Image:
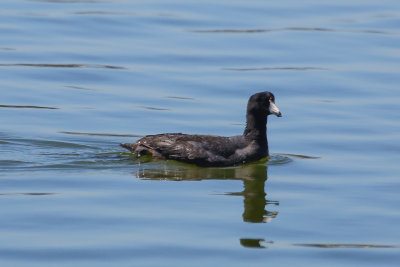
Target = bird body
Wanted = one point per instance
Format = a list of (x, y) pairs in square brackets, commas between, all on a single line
[(212, 150), (202, 150)]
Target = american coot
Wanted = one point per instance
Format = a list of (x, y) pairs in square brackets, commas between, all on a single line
[(212, 150)]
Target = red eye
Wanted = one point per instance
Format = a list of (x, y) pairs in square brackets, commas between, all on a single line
[(271, 98)]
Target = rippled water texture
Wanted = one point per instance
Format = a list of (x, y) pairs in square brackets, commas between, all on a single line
[(79, 77)]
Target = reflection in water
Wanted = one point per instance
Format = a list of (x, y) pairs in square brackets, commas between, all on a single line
[(255, 201), (254, 243), (253, 176)]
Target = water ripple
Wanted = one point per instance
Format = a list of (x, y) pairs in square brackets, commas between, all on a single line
[(27, 194), (300, 156), (101, 134), (345, 245), (79, 88), (181, 98), (26, 106), (48, 65), (310, 29), (68, 1), (277, 68), (102, 13), (153, 108), (278, 159)]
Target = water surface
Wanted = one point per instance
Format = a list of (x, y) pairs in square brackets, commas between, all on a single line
[(79, 77)]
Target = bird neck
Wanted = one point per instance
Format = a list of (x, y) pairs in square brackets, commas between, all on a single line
[(256, 129)]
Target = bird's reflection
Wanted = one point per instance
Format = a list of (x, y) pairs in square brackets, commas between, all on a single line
[(254, 243), (253, 176)]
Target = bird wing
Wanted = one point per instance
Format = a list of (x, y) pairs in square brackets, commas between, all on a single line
[(198, 149)]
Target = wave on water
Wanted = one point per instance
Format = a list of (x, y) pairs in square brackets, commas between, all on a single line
[(47, 65), (293, 68), (345, 245), (26, 106), (21, 154), (101, 134), (307, 29)]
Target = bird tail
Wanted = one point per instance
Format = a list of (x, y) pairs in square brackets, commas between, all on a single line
[(131, 147)]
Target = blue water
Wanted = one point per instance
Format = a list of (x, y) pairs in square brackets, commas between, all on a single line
[(79, 77)]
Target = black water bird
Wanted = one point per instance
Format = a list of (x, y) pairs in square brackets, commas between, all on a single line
[(212, 150)]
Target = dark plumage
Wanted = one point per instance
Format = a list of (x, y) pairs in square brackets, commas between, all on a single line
[(212, 150)]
